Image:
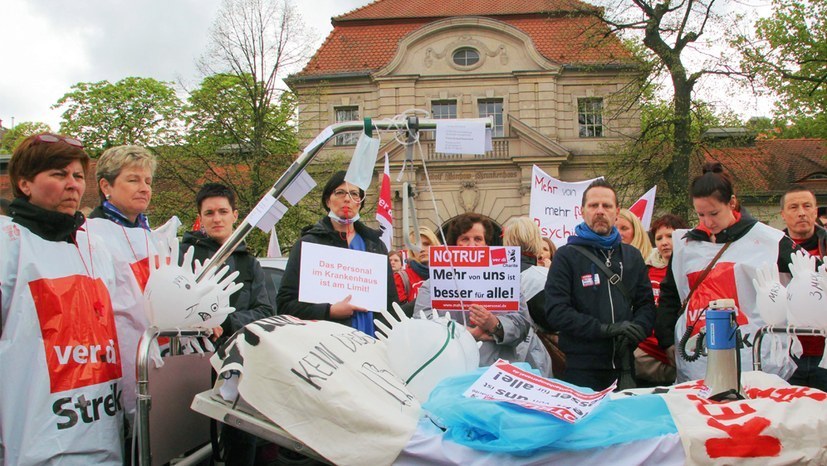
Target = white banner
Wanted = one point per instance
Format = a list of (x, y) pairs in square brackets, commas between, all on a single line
[(506, 382), (329, 274), (555, 205), (328, 385), (488, 276), (776, 424)]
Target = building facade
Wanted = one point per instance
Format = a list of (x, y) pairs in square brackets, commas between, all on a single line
[(546, 71)]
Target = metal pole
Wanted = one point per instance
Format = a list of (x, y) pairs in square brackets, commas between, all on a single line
[(144, 402), (759, 338), (301, 162)]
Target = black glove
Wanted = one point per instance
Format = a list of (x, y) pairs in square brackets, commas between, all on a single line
[(633, 332)]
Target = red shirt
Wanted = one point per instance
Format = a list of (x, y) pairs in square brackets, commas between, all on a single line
[(650, 344)]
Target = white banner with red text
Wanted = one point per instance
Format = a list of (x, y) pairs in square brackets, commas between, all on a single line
[(488, 276)]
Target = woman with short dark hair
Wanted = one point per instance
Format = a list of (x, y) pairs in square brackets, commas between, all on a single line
[(341, 228), (59, 354)]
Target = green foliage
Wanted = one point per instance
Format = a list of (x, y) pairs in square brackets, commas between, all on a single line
[(788, 55), (21, 131), (230, 144), (802, 126), (134, 110), (641, 164)]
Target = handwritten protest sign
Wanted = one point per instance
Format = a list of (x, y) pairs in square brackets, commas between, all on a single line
[(329, 274), (488, 276), (555, 205), (505, 382)]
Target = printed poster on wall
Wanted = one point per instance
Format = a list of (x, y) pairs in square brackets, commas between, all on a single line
[(488, 276), (555, 205)]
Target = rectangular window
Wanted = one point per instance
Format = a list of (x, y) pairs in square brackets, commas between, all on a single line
[(347, 114), (590, 117), (493, 107), (441, 109)]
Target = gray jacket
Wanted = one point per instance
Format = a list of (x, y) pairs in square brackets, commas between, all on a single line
[(519, 342)]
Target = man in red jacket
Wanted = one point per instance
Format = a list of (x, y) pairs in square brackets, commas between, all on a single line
[(799, 210)]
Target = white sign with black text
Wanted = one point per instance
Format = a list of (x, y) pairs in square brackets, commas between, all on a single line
[(329, 274)]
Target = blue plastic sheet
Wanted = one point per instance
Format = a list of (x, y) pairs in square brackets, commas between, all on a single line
[(508, 428)]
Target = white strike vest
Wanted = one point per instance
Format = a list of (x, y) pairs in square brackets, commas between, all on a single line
[(60, 371), (731, 277)]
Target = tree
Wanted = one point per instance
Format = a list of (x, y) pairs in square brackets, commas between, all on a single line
[(667, 30), (217, 147), (643, 163), (134, 110), (788, 54), (21, 131), (242, 123), (258, 42)]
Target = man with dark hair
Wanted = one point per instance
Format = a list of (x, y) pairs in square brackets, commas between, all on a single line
[(598, 297), (799, 209), (217, 213)]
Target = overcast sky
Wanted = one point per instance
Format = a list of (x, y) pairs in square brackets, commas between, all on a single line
[(49, 45)]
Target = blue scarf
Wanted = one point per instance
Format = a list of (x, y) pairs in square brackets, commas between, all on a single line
[(362, 321), (587, 237), (112, 213)]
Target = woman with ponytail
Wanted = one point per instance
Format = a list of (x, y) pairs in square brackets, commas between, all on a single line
[(717, 260)]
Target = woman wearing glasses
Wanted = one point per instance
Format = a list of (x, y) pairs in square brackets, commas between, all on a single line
[(340, 228), (60, 394)]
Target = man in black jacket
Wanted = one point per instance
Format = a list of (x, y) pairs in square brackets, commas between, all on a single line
[(217, 214), (799, 210), (601, 317)]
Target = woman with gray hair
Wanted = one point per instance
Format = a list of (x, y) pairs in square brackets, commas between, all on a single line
[(124, 175)]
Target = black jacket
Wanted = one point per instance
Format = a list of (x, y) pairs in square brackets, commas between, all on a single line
[(669, 303), (323, 233), (576, 307), (251, 302), (816, 242)]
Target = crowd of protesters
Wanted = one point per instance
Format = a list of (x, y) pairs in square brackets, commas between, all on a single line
[(608, 303)]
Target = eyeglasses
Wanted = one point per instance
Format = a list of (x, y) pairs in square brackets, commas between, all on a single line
[(354, 195), (51, 139)]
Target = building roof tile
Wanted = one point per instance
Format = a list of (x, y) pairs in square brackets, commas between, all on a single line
[(385, 9), (369, 46), (772, 165)]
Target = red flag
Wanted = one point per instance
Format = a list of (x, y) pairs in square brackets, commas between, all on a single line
[(644, 207), (384, 214)]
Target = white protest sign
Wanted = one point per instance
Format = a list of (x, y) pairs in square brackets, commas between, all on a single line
[(555, 205), (461, 136), (505, 382), (488, 276), (329, 274)]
